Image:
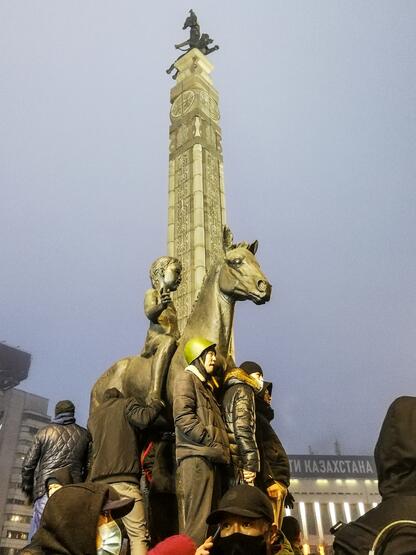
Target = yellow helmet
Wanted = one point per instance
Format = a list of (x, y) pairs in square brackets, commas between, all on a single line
[(195, 347)]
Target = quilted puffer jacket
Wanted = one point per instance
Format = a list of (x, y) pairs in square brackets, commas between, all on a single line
[(62, 443), (239, 410)]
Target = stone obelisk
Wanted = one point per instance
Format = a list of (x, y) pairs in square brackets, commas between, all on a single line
[(196, 185)]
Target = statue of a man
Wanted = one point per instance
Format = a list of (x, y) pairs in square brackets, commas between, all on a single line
[(163, 333)]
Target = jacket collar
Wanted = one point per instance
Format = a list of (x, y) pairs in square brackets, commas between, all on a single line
[(236, 375), (194, 370)]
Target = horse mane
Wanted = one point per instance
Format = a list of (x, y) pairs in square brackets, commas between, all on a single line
[(214, 268)]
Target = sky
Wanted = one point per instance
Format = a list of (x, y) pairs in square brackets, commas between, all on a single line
[(317, 104)]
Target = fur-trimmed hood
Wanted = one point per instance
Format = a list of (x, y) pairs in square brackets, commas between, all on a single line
[(237, 375)]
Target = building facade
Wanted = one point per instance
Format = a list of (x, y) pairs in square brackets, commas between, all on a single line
[(328, 489), (21, 416)]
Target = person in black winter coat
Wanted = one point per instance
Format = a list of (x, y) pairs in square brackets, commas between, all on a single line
[(274, 464), (114, 427), (239, 411), (61, 443), (395, 457)]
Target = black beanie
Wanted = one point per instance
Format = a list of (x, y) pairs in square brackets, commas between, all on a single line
[(64, 406), (250, 367), (291, 528)]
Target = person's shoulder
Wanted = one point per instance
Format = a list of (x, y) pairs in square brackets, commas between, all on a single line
[(81, 429), (353, 537), (244, 390), (46, 430), (184, 379)]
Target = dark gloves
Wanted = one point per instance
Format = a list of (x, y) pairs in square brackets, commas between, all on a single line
[(28, 491), (289, 501)]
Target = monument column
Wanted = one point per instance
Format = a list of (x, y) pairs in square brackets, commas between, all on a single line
[(196, 185)]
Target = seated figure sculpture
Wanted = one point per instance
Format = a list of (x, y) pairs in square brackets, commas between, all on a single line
[(163, 333)]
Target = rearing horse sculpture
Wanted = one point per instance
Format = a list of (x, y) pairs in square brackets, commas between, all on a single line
[(236, 277)]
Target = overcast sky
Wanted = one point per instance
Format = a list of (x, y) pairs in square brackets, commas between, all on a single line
[(317, 105)]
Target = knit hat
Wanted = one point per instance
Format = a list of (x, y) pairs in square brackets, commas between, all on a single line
[(175, 545), (251, 367), (64, 406), (243, 500), (290, 528)]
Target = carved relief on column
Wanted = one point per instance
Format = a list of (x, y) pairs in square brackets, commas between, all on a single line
[(213, 213), (183, 212)]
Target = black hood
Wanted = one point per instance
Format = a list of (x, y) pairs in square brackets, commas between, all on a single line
[(69, 520), (395, 451)]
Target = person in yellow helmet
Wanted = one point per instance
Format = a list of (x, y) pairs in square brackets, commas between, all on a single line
[(202, 447)]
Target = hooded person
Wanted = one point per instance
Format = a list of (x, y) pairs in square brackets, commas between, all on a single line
[(291, 529), (117, 426), (244, 521), (202, 448), (395, 457), (239, 412), (274, 475), (78, 519)]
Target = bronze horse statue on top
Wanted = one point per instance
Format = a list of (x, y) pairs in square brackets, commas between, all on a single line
[(235, 277)]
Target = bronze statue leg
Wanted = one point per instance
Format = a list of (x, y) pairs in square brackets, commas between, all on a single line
[(160, 364)]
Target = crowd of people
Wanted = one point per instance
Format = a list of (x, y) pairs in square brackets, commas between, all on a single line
[(224, 440), (90, 487)]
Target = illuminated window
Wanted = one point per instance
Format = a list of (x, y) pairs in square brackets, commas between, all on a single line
[(361, 508), (16, 535), (18, 518)]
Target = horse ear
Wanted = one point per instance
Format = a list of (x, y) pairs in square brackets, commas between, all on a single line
[(227, 238), (253, 247)]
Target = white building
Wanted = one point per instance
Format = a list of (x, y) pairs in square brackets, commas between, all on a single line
[(328, 489)]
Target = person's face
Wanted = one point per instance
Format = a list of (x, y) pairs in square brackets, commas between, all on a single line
[(208, 361), (259, 379), (172, 276), (267, 397), (233, 524)]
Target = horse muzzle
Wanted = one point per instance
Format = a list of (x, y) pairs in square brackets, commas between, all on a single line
[(263, 293)]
